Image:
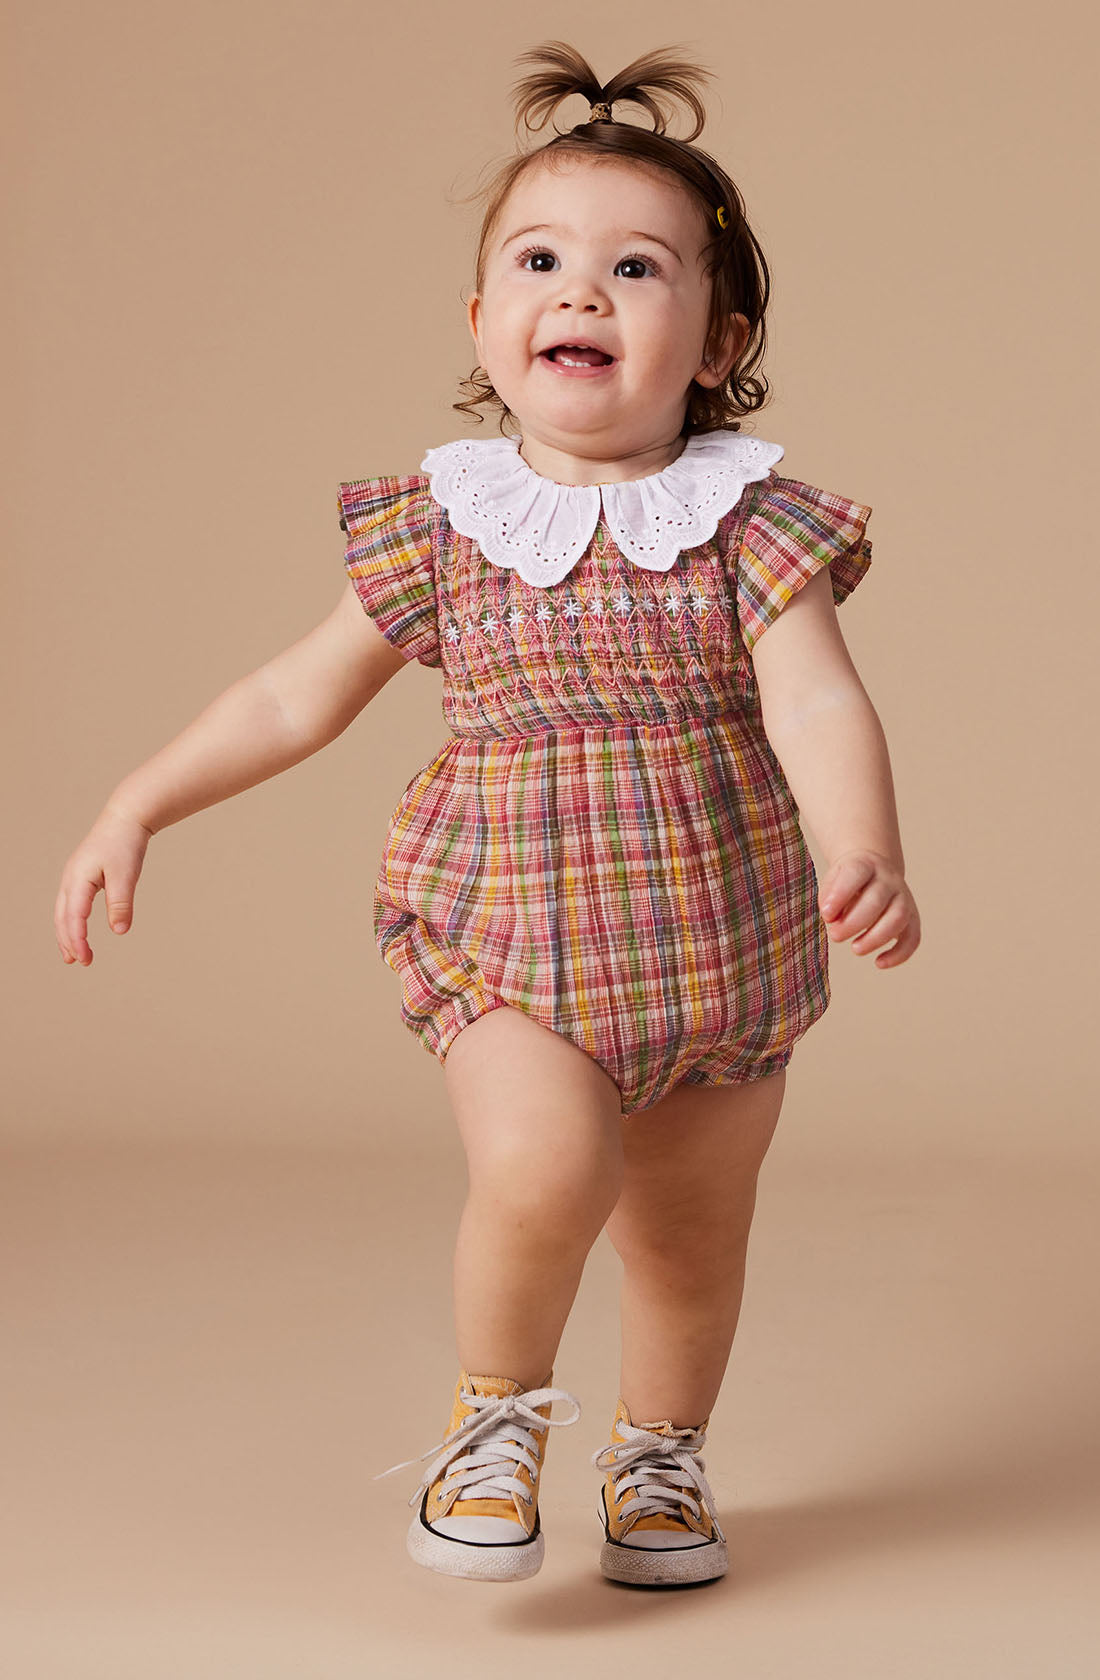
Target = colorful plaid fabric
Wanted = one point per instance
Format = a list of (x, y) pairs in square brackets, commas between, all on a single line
[(606, 839), (389, 560), (790, 526)]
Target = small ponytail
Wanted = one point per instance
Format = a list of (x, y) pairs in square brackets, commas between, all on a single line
[(653, 74)]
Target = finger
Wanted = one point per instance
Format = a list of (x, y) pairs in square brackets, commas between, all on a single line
[(836, 904), (120, 909), (886, 927), (81, 900), (839, 891), (63, 928), (59, 912), (838, 910), (908, 940), (890, 925), (862, 913)]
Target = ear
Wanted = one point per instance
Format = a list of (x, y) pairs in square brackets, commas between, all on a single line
[(473, 317), (734, 339)]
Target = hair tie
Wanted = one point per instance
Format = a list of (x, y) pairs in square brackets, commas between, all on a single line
[(723, 216), (600, 113)]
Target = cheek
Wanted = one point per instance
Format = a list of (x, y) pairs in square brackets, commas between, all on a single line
[(506, 353), (667, 346), (508, 332)]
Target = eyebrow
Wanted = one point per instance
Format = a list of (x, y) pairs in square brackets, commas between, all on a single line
[(635, 233)]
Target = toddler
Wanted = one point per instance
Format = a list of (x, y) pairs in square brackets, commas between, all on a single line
[(597, 894)]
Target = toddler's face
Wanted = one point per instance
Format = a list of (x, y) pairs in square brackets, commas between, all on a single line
[(618, 262)]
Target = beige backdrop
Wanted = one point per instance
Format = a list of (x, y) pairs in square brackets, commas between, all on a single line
[(237, 275)]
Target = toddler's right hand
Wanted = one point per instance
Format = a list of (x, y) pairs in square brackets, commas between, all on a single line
[(110, 856)]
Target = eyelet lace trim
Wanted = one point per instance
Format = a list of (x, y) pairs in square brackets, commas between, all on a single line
[(499, 1436), (661, 1468), (541, 528)]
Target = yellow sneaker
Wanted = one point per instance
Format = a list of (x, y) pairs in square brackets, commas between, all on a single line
[(656, 1531), (479, 1514)]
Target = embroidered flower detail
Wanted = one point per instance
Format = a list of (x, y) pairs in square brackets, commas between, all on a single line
[(675, 603)]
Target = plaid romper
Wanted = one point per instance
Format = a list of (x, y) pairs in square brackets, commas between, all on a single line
[(606, 839)]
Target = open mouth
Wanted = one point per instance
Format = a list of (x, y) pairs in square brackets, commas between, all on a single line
[(576, 355)]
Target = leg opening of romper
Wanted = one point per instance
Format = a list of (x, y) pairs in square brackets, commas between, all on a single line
[(743, 1074), (466, 1018)]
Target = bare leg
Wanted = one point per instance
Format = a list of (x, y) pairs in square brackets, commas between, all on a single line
[(541, 1125), (681, 1227)]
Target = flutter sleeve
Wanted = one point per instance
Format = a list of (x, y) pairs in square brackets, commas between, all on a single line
[(793, 531), (390, 561)]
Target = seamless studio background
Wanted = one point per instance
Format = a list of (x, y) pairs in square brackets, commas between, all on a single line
[(236, 276)]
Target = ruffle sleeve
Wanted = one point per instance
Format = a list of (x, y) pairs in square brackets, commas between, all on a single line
[(793, 531), (389, 558)]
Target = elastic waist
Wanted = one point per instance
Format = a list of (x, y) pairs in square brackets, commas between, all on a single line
[(648, 726)]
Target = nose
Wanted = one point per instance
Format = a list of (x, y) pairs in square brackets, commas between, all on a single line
[(580, 291), (582, 304)]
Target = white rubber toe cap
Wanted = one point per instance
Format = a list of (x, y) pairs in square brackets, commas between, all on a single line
[(661, 1540), (503, 1530)]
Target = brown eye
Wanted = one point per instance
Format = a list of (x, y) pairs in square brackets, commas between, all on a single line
[(535, 251), (635, 264)]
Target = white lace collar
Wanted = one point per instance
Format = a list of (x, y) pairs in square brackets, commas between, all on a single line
[(541, 528)]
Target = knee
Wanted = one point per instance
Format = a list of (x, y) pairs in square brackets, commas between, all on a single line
[(685, 1246), (566, 1188)]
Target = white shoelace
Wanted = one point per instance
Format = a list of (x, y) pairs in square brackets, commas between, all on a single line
[(661, 1468), (499, 1430)]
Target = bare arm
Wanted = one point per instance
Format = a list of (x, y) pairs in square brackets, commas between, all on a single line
[(823, 728), (264, 723), (831, 745)]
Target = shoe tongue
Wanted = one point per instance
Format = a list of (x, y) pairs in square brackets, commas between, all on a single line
[(498, 1386), (664, 1426)]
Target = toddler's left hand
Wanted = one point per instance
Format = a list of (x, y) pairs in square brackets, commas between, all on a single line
[(865, 894)]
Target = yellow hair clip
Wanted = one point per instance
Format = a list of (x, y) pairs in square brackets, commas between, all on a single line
[(723, 216)]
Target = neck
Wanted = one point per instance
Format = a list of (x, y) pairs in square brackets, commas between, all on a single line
[(565, 466)]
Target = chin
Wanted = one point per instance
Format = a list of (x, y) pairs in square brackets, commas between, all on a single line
[(579, 398), (571, 420)]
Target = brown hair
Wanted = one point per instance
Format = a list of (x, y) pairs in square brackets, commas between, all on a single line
[(733, 257)]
